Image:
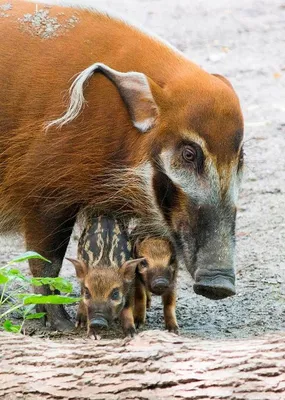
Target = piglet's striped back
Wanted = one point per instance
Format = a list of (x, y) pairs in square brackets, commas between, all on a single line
[(104, 242)]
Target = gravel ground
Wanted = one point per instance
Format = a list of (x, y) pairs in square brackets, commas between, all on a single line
[(245, 41)]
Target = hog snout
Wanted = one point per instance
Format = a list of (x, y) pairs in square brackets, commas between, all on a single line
[(215, 284), (159, 285), (98, 322)]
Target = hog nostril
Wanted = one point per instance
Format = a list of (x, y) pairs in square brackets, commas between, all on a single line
[(159, 285), (214, 293), (98, 322)]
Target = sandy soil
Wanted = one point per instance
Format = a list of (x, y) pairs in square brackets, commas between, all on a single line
[(244, 41)]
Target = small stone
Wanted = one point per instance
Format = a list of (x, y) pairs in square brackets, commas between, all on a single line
[(216, 57)]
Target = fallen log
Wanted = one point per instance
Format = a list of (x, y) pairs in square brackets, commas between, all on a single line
[(153, 365)]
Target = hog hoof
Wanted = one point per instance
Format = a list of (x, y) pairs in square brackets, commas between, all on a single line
[(62, 325), (92, 334), (81, 321), (81, 316), (95, 336), (130, 331), (173, 328), (139, 322), (139, 319), (57, 318)]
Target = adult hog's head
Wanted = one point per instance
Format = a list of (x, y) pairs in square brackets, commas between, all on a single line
[(196, 169), (189, 157)]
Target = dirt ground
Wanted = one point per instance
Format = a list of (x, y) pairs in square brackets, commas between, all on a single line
[(245, 41)]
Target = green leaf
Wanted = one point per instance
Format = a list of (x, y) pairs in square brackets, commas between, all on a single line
[(16, 274), (58, 283), (3, 279), (36, 315), (10, 327), (51, 299), (28, 256)]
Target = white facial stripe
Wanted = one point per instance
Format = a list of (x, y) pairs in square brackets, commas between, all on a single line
[(194, 137), (230, 181), (219, 182)]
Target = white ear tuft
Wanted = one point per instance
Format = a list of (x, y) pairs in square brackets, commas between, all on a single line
[(133, 87), (145, 125)]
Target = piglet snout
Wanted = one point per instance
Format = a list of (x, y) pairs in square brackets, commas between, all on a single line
[(159, 285), (98, 322)]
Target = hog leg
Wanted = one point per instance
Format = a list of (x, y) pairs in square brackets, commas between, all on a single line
[(140, 304), (49, 237), (169, 304), (81, 316), (127, 316)]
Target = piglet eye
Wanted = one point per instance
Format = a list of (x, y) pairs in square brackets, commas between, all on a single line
[(144, 263), (86, 292), (115, 294), (189, 154), (143, 266)]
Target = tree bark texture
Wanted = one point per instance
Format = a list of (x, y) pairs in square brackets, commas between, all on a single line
[(153, 365)]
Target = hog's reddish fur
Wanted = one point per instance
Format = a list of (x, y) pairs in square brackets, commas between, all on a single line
[(61, 170)]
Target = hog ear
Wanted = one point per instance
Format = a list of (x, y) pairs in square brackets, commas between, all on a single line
[(80, 268), (225, 80), (128, 269), (134, 88)]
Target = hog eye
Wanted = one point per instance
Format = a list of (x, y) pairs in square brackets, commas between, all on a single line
[(189, 153), (193, 156), (115, 294), (86, 292)]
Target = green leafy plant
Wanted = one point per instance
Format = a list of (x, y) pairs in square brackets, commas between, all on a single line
[(24, 303)]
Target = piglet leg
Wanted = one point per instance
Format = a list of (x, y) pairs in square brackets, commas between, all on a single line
[(127, 317), (140, 304), (169, 305), (81, 316)]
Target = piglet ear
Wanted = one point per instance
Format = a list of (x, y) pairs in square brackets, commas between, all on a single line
[(136, 247), (80, 268), (128, 269)]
